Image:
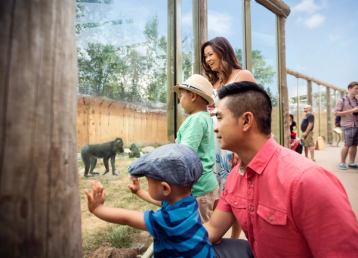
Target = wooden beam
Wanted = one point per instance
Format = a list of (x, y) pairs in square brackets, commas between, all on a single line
[(317, 81), (278, 7)]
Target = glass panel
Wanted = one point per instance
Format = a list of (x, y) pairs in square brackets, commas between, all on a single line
[(316, 106), (122, 56), (323, 113), (187, 39), (302, 96), (225, 19), (187, 49), (293, 100), (264, 58)]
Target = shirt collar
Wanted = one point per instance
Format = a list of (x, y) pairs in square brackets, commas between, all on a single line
[(263, 156)]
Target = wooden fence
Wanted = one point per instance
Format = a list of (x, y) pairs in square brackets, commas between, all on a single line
[(101, 119)]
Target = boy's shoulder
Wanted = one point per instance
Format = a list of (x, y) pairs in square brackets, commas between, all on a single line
[(200, 115)]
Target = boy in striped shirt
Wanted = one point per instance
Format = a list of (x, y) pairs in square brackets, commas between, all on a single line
[(170, 170)]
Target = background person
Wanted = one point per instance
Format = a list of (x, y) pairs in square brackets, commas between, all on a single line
[(287, 205), (347, 109), (307, 126), (222, 67), (295, 143)]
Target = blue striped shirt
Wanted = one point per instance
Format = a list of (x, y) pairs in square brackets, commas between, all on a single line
[(177, 230)]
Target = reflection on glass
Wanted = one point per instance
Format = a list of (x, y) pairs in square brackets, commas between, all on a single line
[(264, 57), (225, 20), (316, 106), (187, 37), (122, 56)]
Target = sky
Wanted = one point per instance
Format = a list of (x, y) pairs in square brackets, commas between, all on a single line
[(322, 39)]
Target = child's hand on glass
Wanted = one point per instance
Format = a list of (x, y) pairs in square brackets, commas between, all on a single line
[(96, 197), (134, 185)]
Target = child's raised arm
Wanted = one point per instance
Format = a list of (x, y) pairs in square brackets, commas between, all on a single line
[(134, 186), (96, 199)]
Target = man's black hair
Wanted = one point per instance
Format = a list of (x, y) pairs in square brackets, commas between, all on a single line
[(249, 97)]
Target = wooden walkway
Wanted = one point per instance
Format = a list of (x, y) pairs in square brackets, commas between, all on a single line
[(329, 158)]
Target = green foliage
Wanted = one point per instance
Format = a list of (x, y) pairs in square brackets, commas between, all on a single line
[(262, 71), (99, 70), (134, 73)]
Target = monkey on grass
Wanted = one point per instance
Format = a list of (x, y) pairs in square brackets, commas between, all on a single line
[(108, 150), (135, 152)]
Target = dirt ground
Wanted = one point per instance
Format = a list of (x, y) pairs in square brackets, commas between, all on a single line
[(101, 239)]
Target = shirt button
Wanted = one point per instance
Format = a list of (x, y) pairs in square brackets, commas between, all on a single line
[(251, 208)]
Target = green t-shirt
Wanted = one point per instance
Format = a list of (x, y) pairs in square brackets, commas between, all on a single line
[(197, 132)]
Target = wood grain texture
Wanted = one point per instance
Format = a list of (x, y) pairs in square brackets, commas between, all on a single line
[(39, 197)]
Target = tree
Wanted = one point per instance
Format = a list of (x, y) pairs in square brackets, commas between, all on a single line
[(262, 71), (99, 70), (156, 50)]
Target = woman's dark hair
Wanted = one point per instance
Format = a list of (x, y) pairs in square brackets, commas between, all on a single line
[(292, 117), (222, 47)]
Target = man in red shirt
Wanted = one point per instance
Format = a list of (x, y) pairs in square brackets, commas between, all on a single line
[(287, 205)]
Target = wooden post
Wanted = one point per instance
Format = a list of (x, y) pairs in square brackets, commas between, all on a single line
[(247, 54), (40, 213), (309, 93), (171, 72), (282, 76), (329, 116), (200, 26)]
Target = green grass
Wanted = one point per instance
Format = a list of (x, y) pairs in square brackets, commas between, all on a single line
[(95, 232)]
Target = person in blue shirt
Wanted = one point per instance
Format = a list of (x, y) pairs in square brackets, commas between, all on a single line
[(176, 227)]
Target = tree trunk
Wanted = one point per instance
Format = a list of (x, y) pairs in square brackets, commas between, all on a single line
[(39, 197)]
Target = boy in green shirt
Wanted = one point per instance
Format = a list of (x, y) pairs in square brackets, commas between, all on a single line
[(197, 132)]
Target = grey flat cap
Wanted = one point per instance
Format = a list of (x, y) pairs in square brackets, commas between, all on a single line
[(176, 164)]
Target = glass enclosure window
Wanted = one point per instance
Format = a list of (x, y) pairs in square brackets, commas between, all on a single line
[(302, 97), (316, 106), (323, 113), (293, 99), (122, 58), (264, 58), (187, 39), (225, 19)]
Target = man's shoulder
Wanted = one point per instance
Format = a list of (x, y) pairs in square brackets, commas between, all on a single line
[(293, 164)]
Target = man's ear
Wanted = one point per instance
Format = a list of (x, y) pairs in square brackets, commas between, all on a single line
[(247, 120), (166, 188)]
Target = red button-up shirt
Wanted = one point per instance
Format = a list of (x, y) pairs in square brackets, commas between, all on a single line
[(288, 206)]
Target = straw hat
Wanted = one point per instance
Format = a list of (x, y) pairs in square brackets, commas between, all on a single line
[(199, 85)]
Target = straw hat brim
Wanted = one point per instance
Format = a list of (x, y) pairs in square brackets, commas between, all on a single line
[(201, 93)]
